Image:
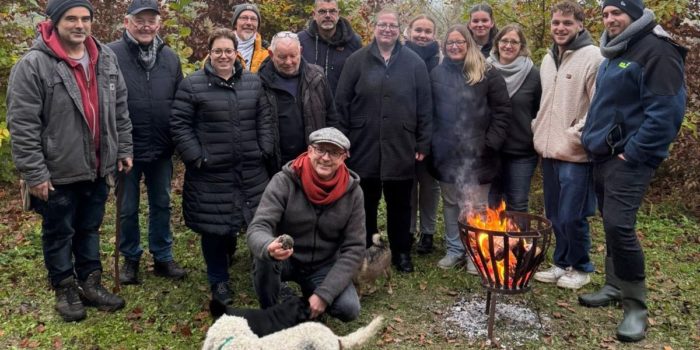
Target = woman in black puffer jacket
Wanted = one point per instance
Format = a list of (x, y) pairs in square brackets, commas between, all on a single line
[(222, 129)]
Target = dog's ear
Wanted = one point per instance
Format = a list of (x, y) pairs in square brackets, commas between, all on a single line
[(216, 309)]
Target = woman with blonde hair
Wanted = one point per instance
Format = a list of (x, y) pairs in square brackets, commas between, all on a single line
[(470, 118), (511, 57)]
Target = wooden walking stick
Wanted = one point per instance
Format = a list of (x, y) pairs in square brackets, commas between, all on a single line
[(119, 192)]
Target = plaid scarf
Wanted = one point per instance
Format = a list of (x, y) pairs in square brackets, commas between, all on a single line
[(147, 54)]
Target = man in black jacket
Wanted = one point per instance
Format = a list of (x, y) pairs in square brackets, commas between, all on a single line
[(300, 97), (329, 40), (152, 73)]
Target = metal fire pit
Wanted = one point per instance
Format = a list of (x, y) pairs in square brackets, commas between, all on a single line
[(519, 252)]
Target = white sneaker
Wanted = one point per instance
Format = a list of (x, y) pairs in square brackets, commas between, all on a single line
[(551, 275), (450, 261), (471, 269), (574, 279)]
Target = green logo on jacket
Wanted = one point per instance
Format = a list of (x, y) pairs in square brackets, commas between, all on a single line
[(623, 65)]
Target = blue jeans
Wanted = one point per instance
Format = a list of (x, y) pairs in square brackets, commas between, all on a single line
[(424, 200), (70, 236), (620, 187), (157, 175), (513, 184), (569, 200), (268, 276), (455, 202)]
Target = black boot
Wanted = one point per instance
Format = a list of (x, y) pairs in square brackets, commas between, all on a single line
[(129, 273), (68, 302), (608, 294), (221, 293), (403, 263), (168, 269), (634, 323), (425, 245), (92, 293)]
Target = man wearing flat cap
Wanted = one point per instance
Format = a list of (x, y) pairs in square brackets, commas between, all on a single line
[(632, 120), (152, 73), (317, 201), (70, 131)]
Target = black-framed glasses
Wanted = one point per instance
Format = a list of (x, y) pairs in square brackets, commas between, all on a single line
[(384, 26), (140, 23), (335, 155), (219, 52), (506, 42), (324, 12), (286, 34), (247, 18), (459, 43)]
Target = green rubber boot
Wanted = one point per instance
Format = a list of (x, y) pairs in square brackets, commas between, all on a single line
[(634, 324), (608, 294)]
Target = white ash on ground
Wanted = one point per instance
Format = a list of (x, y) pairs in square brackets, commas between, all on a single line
[(516, 321)]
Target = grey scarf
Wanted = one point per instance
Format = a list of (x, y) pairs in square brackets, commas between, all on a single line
[(147, 54), (612, 48), (245, 48), (514, 73)]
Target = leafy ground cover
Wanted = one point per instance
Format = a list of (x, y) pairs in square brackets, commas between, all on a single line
[(161, 314)]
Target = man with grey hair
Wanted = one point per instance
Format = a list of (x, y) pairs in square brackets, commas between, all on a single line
[(329, 40), (251, 48), (299, 94), (152, 73)]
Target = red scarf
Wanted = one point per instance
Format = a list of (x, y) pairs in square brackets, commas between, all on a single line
[(317, 190)]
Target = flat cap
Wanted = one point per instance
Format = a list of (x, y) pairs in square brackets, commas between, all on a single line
[(330, 135)]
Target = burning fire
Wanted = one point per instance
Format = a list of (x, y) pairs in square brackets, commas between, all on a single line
[(505, 255)]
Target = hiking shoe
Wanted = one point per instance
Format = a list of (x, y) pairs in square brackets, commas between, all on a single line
[(68, 302), (450, 261), (574, 279), (425, 245), (129, 273), (168, 269), (471, 269), (403, 263), (92, 293), (221, 293), (551, 275)]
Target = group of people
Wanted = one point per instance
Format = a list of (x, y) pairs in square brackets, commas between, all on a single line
[(303, 137)]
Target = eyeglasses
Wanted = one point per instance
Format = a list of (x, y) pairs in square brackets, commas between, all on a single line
[(384, 26), (324, 12), (219, 52), (456, 43), (247, 18), (335, 155), (140, 23), (286, 34), (505, 42)]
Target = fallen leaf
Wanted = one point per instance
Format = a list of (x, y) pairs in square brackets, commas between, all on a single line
[(57, 343), (398, 319), (666, 347), (423, 285), (40, 328), (452, 293), (557, 315), (186, 331)]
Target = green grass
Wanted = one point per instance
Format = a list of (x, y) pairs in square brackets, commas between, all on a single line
[(161, 314)]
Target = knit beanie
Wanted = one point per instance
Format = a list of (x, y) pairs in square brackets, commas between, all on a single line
[(56, 8), (245, 7), (634, 8)]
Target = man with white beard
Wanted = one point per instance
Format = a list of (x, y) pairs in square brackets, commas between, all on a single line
[(251, 49)]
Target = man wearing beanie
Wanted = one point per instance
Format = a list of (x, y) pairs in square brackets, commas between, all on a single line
[(630, 125), (70, 131), (152, 73), (568, 85), (252, 50)]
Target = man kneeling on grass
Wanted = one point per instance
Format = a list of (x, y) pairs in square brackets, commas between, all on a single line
[(317, 201)]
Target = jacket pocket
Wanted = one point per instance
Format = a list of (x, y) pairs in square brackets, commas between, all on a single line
[(614, 138), (358, 122), (410, 127)]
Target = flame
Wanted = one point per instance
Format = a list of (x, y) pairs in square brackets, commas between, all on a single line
[(494, 220)]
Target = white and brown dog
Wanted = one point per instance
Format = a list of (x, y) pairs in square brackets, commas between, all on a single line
[(232, 332)]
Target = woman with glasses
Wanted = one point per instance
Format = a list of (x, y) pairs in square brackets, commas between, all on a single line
[(222, 129), (511, 57), (426, 190), (386, 109), (482, 26), (471, 114)]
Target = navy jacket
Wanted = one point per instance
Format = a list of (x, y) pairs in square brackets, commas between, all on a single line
[(639, 103), (150, 98)]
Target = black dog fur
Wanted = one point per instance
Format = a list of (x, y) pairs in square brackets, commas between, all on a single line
[(291, 312)]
